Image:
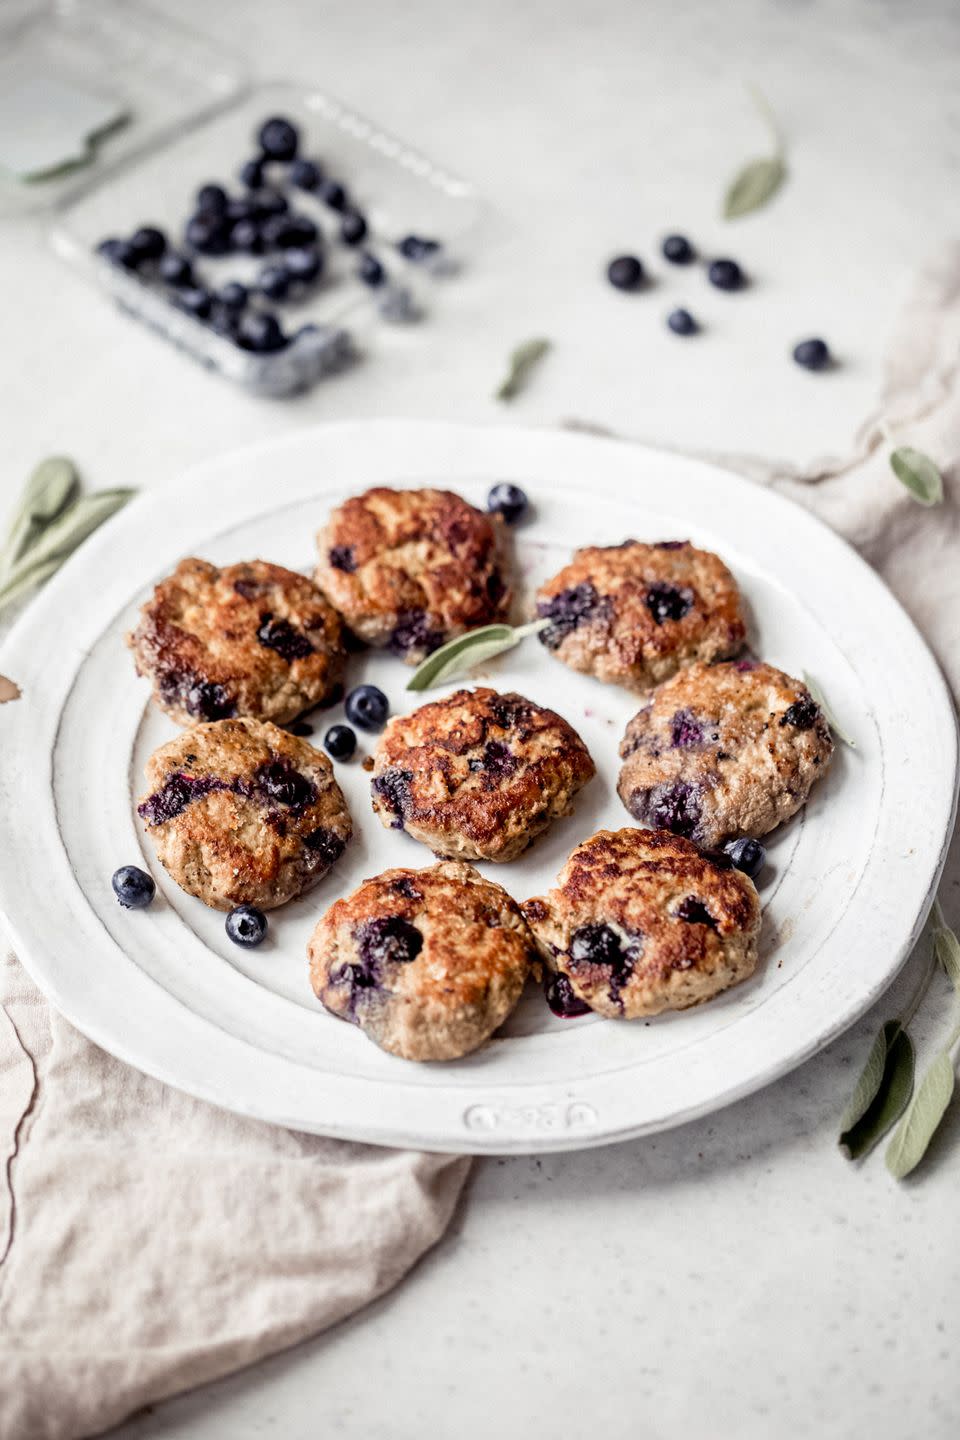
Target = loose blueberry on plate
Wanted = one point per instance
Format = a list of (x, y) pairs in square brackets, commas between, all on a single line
[(118, 252), (625, 272), (210, 234), (812, 354), (417, 247), (747, 855), (245, 235), (261, 332), (681, 322), (302, 264), (195, 300), (251, 174), (678, 250), (332, 193), (273, 281), (246, 926), (233, 295), (305, 174), (278, 139), (148, 243), (367, 707), (133, 887), (507, 500), (353, 228), (211, 200), (175, 269), (340, 742), (370, 271), (726, 275)]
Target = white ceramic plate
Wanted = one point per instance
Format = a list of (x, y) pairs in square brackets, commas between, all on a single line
[(845, 891)]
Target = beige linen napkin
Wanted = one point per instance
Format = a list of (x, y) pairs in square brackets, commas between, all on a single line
[(152, 1242)]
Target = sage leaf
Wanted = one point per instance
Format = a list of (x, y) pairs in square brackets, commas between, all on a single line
[(831, 719), (918, 473), (924, 1113), (464, 653), (58, 541), (754, 186), (50, 489), (522, 361), (882, 1093), (947, 946)]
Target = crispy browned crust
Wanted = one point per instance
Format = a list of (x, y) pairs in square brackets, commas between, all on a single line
[(411, 569), (634, 881), (478, 775), (752, 769), (235, 845), (197, 641), (620, 641), (465, 981)]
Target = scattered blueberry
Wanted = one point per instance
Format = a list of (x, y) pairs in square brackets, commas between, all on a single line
[(233, 295), (416, 247), (212, 200), (507, 500), (681, 322), (811, 354), (370, 271), (353, 228), (726, 275), (261, 332), (305, 174), (625, 272), (303, 264), (273, 281), (118, 252), (367, 707), (133, 887), (678, 250), (210, 234), (278, 139), (251, 174), (175, 269), (245, 235), (246, 926), (332, 193), (747, 855), (340, 742), (148, 243), (563, 999), (195, 300)]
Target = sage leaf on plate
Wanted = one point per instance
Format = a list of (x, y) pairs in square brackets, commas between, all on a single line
[(882, 1093), (57, 542), (463, 654), (918, 473), (50, 489), (756, 183), (946, 945), (522, 362), (924, 1113), (818, 695)]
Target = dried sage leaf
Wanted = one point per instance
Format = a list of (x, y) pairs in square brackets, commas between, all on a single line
[(924, 1113), (522, 362), (50, 489), (464, 653), (918, 473), (946, 945), (754, 186), (882, 1092), (58, 541)]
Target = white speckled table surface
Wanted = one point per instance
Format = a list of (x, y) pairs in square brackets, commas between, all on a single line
[(735, 1277)]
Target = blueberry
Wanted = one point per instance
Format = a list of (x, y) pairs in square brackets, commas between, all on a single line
[(416, 247), (393, 788), (212, 200), (685, 730), (802, 714), (279, 635), (570, 608), (367, 707), (562, 998), (326, 844), (273, 281), (370, 271), (133, 887), (673, 807), (332, 193), (507, 500), (245, 235), (389, 939), (175, 269), (668, 602), (223, 320), (270, 202), (240, 210), (246, 926), (282, 232), (148, 243), (303, 264), (210, 234), (726, 275), (278, 139), (625, 272), (694, 912), (195, 300), (412, 632), (233, 295), (281, 782), (340, 742), (251, 174), (353, 228), (681, 322), (678, 250), (341, 557), (261, 332), (811, 354), (305, 175), (118, 252), (595, 945), (747, 855)]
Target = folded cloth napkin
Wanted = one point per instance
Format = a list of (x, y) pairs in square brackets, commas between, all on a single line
[(149, 1242)]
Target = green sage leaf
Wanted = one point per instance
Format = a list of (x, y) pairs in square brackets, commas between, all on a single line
[(818, 695), (918, 473), (464, 653), (924, 1113), (59, 540), (50, 489), (754, 186), (882, 1093), (946, 945), (522, 362)]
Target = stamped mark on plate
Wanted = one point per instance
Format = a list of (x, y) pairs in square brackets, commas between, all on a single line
[(573, 1115)]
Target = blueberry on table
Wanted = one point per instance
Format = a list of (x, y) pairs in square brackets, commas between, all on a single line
[(367, 707), (370, 271), (340, 742), (148, 243), (133, 887), (625, 272), (175, 269), (507, 500), (246, 926), (251, 174), (305, 174), (278, 139), (260, 332), (274, 282), (332, 193), (417, 247), (678, 250), (303, 264), (118, 252), (812, 354), (233, 296), (245, 235), (747, 855), (681, 322), (211, 200), (726, 275), (210, 234), (353, 228), (195, 300)]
